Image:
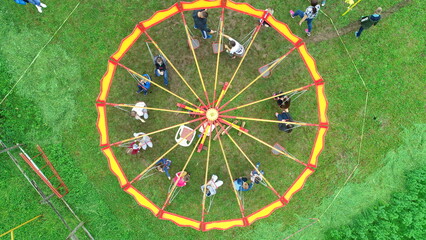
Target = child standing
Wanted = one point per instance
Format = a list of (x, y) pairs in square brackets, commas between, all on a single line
[(200, 22), (308, 16), (367, 22)]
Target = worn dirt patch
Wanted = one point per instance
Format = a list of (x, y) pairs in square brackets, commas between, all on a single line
[(330, 33)]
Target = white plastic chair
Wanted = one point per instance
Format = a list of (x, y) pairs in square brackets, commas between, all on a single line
[(181, 133)]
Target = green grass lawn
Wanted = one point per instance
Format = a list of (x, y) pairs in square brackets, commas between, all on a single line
[(53, 106)]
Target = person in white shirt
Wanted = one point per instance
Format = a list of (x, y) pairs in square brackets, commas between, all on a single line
[(212, 185), (235, 49), (138, 111)]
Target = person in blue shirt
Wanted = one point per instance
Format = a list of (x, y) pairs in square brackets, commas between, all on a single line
[(143, 85), (241, 185), (200, 23), (367, 22), (163, 165), (39, 5)]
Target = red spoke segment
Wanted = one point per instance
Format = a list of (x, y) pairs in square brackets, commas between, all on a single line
[(265, 99), (157, 131), (245, 131), (271, 121), (151, 108)]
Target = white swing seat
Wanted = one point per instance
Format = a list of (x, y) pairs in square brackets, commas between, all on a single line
[(195, 43), (181, 133), (264, 71), (217, 48)]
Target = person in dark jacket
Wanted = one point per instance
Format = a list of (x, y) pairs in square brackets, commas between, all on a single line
[(200, 22), (160, 70), (285, 117), (368, 21)]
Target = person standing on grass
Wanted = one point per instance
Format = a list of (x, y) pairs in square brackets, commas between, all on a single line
[(308, 16), (39, 5), (235, 48), (368, 21), (160, 70), (200, 22)]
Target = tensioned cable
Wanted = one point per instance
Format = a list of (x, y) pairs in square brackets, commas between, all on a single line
[(39, 52), (362, 128), (364, 117), (151, 108)]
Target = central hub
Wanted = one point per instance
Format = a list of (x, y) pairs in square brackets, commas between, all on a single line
[(212, 114)]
